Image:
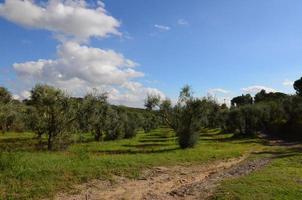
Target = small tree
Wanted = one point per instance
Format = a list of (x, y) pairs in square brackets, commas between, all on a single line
[(50, 111), (5, 96), (151, 116), (184, 117), (130, 125), (93, 112), (12, 116), (150, 121), (152, 101)]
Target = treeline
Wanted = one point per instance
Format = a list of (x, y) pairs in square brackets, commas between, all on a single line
[(271, 113), (52, 114)]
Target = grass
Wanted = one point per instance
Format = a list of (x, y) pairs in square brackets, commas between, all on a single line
[(282, 179), (26, 173), (29, 174)]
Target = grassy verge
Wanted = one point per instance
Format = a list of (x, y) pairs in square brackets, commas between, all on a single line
[(282, 179), (29, 174)]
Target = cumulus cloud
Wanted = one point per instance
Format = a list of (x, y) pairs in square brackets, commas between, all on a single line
[(288, 83), (162, 27), (79, 68), (133, 94), (72, 18), (89, 64), (257, 88)]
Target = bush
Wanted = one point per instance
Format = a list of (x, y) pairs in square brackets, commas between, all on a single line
[(187, 138)]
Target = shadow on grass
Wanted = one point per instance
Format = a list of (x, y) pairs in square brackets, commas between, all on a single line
[(157, 136), (208, 134), (148, 145), (284, 153), (16, 140), (241, 139), (157, 140), (21, 144), (129, 151)]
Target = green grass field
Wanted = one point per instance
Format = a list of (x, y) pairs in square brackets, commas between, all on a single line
[(281, 180), (26, 173)]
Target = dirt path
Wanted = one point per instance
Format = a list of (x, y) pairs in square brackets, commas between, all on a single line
[(161, 183)]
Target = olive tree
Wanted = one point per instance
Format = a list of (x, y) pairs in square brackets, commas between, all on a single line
[(50, 112), (93, 112), (184, 117), (151, 117), (152, 101), (5, 96), (11, 112)]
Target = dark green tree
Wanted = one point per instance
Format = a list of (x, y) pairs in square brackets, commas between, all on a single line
[(242, 100), (5, 95), (298, 86), (262, 96)]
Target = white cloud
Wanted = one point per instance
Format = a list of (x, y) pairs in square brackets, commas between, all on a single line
[(16, 97), (288, 83), (182, 22), (93, 65), (25, 94), (218, 90), (134, 95), (162, 27), (220, 95), (257, 88), (79, 68), (72, 18), (22, 95)]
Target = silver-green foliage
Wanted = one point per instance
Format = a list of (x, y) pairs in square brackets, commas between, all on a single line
[(50, 112)]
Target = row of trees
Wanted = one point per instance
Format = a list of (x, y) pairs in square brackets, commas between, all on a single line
[(270, 113), (51, 113), (188, 116)]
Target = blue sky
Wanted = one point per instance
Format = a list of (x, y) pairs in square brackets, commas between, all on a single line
[(214, 45)]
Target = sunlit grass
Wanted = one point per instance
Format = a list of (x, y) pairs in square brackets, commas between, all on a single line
[(282, 179), (26, 173)]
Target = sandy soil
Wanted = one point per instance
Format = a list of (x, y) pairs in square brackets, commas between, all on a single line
[(162, 183)]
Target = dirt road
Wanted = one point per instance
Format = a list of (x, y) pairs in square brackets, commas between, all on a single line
[(163, 183)]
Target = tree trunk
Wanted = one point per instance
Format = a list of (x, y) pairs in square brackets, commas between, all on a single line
[(49, 142), (97, 135), (39, 138)]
